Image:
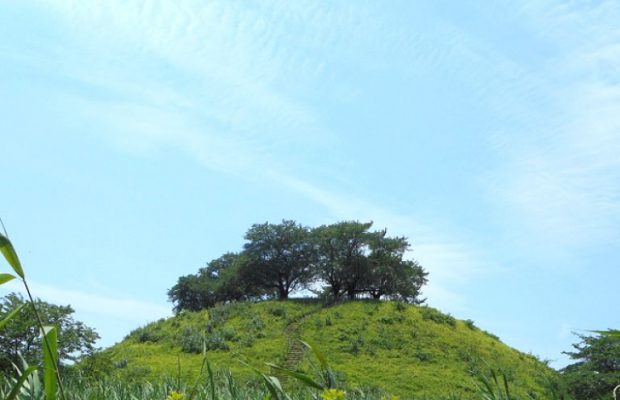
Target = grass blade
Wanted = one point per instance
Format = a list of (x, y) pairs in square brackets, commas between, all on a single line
[(326, 371), (300, 376), (4, 278), (506, 386), (211, 379), (20, 382), (10, 255), (50, 362), (10, 315)]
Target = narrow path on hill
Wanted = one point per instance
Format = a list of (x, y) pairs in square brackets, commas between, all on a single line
[(295, 349)]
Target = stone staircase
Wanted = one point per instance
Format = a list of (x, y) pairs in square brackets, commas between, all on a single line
[(295, 351)]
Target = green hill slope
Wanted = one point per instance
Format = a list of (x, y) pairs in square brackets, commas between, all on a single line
[(403, 349)]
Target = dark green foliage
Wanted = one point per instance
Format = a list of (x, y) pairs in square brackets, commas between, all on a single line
[(225, 279), (21, 334), (597, 368), (277, 259), (342, 261), (192, 341), (437, 316), (388, 274), (278, 311), (280, 256), (422, 355), (492, 336), (145, 334)]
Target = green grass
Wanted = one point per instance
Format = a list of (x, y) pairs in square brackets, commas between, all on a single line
[(374, 347)]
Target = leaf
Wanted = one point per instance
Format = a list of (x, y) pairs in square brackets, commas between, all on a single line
[(611, 333), (274, 387), (271, 382), (328, 374), (11, 315), (4, 278), (317, 354), (211, 380), (11, 256), (50, 361), (20, 382), (300, 376)]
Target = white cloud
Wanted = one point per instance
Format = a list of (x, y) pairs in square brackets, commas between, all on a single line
[(560, 174), (225, 103), (118, 307), (450, 263)]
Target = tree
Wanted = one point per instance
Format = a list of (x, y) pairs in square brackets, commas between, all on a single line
[(386, 263), (224, 279), (389, 275), (342, 261), (21, 334), (278, 259), (192, 293), (280, 256), (597, 370)]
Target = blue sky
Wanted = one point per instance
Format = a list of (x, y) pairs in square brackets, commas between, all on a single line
[(142, 139)]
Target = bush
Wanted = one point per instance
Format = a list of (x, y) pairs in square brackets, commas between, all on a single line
[(216, 342), (146, 334), (470, 324), (191, 342), (437, 316), (400, 306), (278, 311)]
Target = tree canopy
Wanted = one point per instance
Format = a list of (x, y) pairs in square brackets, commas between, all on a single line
[(21, 334), (597, 368), (344, 259)]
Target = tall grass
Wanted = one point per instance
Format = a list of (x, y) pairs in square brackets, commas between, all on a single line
[(52, 383)]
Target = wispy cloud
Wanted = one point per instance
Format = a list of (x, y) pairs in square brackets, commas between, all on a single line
[(561, 174), (450, 262), (236, 115), (118, 307)]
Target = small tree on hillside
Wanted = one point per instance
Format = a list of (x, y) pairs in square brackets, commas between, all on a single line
[(281, 256), (224, 279), (342, 256)]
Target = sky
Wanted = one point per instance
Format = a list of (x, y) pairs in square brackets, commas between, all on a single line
[(139, 140)]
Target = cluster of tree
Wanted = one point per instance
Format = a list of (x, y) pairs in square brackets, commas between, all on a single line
[(344, 259), (20, 337), (596, 371)]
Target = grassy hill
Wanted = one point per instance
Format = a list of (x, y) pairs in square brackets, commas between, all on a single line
[(403, 349)]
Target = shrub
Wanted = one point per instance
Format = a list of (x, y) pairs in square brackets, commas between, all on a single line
[(191, 342), (437, 316), (400, 306), (216, 342), (492, 336), (423, 355), (145, 334), (278, 311)]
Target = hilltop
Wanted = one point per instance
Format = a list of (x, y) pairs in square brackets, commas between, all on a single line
[(400, 348)]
